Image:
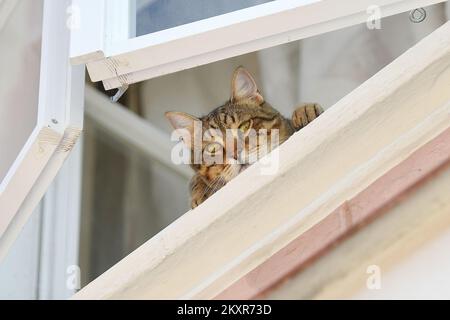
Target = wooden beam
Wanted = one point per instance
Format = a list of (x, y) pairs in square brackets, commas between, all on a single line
[(350, 146), (379, 198)]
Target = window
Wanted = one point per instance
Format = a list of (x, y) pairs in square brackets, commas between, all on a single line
[(105, 39), (38, 128)]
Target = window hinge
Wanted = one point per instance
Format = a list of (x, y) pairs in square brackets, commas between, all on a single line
[(120, 92)]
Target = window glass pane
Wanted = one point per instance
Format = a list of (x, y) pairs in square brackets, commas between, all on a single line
[(156, 15)]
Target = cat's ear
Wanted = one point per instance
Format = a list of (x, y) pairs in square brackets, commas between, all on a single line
[(186, 125), (244, 87)]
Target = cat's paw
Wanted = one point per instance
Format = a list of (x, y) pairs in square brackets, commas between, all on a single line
[(196, 202), (305, 114)]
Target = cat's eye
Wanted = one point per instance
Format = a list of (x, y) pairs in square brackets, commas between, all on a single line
[(244, 127), (214, 148)]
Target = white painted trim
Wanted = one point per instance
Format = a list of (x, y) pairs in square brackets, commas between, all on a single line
[(363, 136), (88, 32), (60, 228), (98, 24), (117, 23), (49, 241), (201, 42), (60, 120), (24, 173), (133, 130)]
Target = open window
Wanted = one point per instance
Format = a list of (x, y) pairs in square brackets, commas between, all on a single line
[(288, 72), (122, 44), (42, 113)]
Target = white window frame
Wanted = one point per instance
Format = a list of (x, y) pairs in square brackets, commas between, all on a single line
[(59, 124), (103, 40)]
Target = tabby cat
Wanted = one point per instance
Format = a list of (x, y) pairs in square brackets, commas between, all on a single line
[(245, 113)]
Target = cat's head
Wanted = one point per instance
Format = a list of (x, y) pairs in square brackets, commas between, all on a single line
[(229, 138)]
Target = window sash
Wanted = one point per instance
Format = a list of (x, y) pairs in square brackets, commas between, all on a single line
[(103, 42), (60, 121)]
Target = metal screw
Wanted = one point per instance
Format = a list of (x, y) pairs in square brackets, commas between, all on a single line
[(417, 15)]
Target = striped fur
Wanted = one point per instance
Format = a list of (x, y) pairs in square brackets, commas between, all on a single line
[(245, 113)]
